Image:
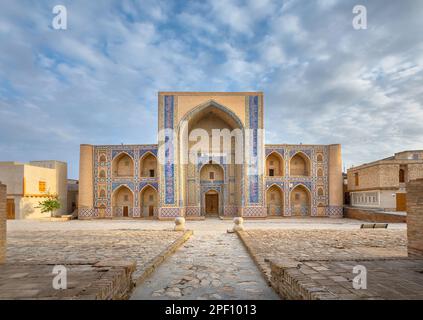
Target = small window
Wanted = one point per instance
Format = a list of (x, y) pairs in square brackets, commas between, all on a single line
[(211, 175), (102, 158), (271, 172), (150, 197), (102, 193), (271, 162), (151, 173), (319, 158), (126, 197), (42, 186), (401, 176), (320, 192), (297, 196), (102, 174), (356, 178)]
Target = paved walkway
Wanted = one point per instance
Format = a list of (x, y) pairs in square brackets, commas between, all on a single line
[(212, 265)]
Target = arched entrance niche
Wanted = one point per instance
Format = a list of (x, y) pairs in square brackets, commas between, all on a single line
[(204, 124), (274, 201), (148, 165), (148, 202), (274, 165), (122, 202), (299, 165), (123, 166), (300, 201)]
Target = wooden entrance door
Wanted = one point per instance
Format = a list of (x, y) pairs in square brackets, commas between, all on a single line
[(125, 211), (151, 211), (10, 209), (212, 204), (401, 202)]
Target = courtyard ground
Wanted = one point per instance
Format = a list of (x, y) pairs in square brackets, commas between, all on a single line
[(211, 264)]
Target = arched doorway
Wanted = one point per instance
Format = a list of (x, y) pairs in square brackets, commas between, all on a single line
[(212, 177), (300, 201), (211, 203), (274, 201), (122, 202), (148, 201)]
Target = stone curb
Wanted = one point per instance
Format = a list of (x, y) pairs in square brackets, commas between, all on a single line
[(260, 265), (159, 259)]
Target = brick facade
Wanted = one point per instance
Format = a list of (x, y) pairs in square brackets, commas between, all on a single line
[(2, 223), (373, 215), (415, 217)]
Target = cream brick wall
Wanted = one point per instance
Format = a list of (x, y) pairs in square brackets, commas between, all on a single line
[(415, 171), (368, 178), (22, 181), (335, 176), (2, 223)]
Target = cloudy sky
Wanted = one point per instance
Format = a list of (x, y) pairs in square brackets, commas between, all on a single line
[(97, 81)]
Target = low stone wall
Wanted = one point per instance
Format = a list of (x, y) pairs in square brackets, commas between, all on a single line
[(2, 223), (89, 280), (372, 215), (283, 280), (415, 217)]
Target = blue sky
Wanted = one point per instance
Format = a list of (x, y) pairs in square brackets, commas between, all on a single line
[(97, 81)]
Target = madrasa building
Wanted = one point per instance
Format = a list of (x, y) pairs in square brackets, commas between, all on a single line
[(210, 160)]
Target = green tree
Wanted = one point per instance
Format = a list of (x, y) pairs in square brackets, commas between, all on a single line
[(49, 205)]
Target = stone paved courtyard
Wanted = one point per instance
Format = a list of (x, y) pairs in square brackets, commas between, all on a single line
[(71, 246), (266, 245), (212, 264)]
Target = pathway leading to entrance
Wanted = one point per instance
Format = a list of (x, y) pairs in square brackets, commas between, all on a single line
[(210, 265)]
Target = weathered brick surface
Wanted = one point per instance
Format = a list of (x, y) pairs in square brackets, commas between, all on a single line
[(373, 215), (101, 264), (81, 246), (415, 217), (318, 264), (107, 280), (387, 279), (2, 223), (268, 245)]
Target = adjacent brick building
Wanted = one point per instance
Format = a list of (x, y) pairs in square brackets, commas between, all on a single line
[(415, 217), (382, 184)]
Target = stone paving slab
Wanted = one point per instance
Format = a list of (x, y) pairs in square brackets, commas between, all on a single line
[(211, 265), (79, 246), (101, 264), (265, 245)]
